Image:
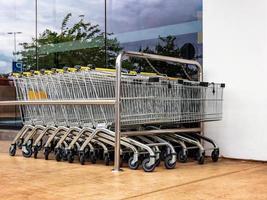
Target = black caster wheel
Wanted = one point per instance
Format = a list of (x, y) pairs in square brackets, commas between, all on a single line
[(12, 150), (35, 152), (167, 162), (146, 167), (39, 145), (106, 160), (58, 156), (82, 159), (70, 158), (133, 165), (93, 159), (157, 163), (215, 155), (163, 154), (64, 155), (46, 153), (27, 152), (182, 157), (201, 159)]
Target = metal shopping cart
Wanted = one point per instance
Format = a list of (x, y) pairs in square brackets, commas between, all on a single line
[(70, 112)]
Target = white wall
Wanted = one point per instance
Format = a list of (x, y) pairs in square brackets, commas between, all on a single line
[(235, 52)]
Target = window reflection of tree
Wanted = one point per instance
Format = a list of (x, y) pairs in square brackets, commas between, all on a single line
[(84, 43), (167, 47), (80, 44)]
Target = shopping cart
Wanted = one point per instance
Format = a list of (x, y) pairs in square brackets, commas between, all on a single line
[(64, 123)]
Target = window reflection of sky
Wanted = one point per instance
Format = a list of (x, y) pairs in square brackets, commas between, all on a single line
[(133, 15), (123, 16)]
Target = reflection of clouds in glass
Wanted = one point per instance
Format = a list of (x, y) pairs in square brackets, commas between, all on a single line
[(19, 15), (52, 12), (123, 15), (136, 14)]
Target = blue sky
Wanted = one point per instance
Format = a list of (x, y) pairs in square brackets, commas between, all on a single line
[(124, 16)]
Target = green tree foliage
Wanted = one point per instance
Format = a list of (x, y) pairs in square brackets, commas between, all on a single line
[(166, 47), (79, 44)]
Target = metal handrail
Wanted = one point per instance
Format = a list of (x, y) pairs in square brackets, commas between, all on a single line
[(118, 91), (60, 102)]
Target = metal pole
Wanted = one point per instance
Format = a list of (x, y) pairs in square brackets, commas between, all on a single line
[(117, 113), (106, 59), (36, 47), (61, 102), (15, 47)]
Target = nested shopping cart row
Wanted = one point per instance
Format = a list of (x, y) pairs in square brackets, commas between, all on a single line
[(144, 100), (87, 131)]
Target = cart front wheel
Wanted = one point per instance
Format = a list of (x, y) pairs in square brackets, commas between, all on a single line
[(201, 159), (133, 165), (82, 159), (39, 145), (215, 155), (46, 153), (182, 157), (106, 160), (70, 158), (27, 152), (35, 152), (12, 150), (58, 156), (146, 167), (168, 162)]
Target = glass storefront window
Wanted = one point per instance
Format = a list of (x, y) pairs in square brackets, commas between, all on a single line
[(72, 33), (17, 26), (170, 28)]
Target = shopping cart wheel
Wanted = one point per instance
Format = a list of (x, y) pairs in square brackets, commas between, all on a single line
[(58, 156), (46, 153), (168, 162), (35, 151), (133, 165), (146, 167), (27, 151), (64, 155), (106, 160), (70, 157), (12, 150), (201, 159), (82, 159), (39, 145), (93, 159), (163, 155), (157, 163), (182, 157), (215, 155)]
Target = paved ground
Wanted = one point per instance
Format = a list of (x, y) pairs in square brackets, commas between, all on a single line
[(22, 178)]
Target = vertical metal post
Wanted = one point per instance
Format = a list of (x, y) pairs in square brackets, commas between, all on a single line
[(36, 47), (200, 78), (117, 113), (106, 59), (15, 47)]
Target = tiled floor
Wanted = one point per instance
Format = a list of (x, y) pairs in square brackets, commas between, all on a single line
[(22, 178)]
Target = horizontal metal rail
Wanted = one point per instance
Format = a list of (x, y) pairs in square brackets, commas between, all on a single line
[(166, 59), (60, 102), (160, 131)]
